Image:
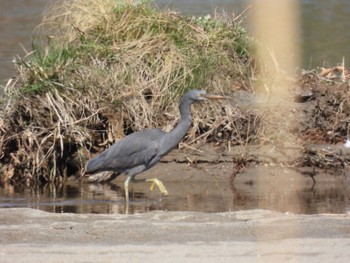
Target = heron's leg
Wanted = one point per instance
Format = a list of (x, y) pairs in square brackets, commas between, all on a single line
[(159, 183), (131, 178), (155, 181), (126, 187)]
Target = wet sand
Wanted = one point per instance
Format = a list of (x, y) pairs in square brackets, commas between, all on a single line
[(29, 235)]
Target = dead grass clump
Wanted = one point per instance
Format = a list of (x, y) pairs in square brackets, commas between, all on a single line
[(102, 69), (44, 135)]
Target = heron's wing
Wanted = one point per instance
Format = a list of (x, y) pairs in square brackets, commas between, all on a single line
[(132, 151), (136, 149)]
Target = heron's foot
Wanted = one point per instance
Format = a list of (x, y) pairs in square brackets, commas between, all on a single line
[(160, 185)]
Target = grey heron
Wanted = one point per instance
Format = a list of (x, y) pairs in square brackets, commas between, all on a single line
[(141, 150)]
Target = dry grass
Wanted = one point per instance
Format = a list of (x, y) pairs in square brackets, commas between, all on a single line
[(102, 69)]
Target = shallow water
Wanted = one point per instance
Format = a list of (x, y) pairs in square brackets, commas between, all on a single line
[(287, 193)]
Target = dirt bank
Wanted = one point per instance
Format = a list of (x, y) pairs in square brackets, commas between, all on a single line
[(28, 235)]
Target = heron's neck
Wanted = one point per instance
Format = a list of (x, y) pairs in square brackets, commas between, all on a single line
[(173, 137)]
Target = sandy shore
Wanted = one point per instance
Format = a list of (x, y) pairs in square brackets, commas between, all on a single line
[(29, 235)]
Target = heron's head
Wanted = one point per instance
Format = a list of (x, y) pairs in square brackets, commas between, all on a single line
[(201, 95)]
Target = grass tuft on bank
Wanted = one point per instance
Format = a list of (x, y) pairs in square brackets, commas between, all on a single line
[(101, 69)]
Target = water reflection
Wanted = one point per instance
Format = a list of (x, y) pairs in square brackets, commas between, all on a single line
[(201, 197), (332, 199)]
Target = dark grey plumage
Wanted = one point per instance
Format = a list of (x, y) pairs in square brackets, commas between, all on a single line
[(141, 150)]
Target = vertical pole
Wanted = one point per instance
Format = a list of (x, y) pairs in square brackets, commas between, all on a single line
[(275, 25)]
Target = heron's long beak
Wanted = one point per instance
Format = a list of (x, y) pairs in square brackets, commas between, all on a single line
[(214, 97)]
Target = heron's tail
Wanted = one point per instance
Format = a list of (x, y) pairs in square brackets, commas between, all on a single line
[(100, 177), (94, 172)]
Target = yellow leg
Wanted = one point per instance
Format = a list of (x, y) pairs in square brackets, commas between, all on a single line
[(126, 188), (160, 185)]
